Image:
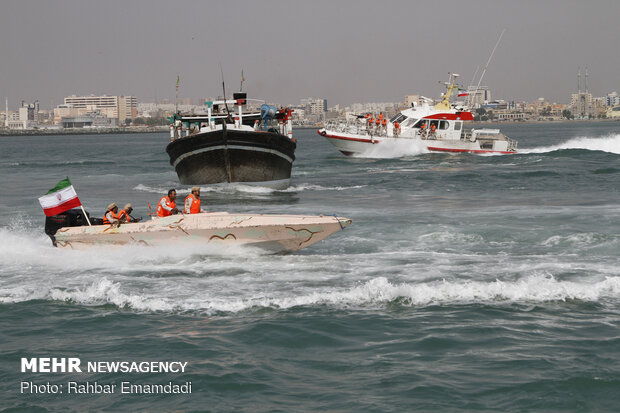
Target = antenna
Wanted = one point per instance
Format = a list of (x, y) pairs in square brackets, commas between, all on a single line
[(224, 90), (489, 61), (176, 99)]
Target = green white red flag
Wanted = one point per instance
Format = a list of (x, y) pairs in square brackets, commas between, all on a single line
[(60, 198)]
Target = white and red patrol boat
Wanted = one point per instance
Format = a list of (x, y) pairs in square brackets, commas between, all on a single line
[(439, 128)]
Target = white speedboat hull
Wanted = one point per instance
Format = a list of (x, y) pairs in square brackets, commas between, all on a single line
[(275, 233)]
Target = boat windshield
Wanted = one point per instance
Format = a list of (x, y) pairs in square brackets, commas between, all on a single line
[(398, 118)]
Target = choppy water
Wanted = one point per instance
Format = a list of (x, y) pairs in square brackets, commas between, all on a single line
[(466, 283)]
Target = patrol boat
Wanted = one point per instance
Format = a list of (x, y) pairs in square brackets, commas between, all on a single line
[(273, 233), (232, 146), (438, 128)]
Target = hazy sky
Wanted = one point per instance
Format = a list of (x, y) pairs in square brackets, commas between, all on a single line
[(344, 51)]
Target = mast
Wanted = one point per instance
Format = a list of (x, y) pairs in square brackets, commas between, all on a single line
[(489, 61), (445, 103)]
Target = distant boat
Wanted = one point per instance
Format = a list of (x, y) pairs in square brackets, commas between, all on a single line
[(439, 128), (273, 233), (225, 147)]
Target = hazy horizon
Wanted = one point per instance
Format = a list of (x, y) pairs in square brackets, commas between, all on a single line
[(343, 51)]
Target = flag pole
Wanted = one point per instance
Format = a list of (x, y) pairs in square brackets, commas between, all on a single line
[(85, 216)]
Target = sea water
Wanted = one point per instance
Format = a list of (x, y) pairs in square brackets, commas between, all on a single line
[(465, 283)]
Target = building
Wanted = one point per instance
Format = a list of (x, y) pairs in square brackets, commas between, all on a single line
[(582, 103), (612, 99), (89, 120), (113, 107), (315, 106), (613, 112), (26, 117), (477, 97)]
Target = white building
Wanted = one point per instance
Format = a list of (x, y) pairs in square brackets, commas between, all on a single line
[(113, 107)]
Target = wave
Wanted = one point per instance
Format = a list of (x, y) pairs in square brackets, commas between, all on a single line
[(609, 144), (249, 189), (376, 292)]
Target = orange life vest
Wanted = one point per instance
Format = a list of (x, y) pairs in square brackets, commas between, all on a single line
[(384, 122), (195, 206), (106, 221), (161, 212), (396, 125), (125, 215)]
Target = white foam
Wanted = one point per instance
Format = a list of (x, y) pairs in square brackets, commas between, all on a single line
[(250, 189), (398, 149), (186, 296), (609, 144)]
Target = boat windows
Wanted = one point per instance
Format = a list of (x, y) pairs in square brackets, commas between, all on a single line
[(457, 125), (409, 122), (444, 124), (420, 123), (399, 117)]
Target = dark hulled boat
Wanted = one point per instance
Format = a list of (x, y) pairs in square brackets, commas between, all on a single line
[(232, 146)]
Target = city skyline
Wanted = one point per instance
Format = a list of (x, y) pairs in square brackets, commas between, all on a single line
[(345, 52)]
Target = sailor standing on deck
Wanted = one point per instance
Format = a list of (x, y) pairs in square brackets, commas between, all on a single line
[(192, 202), (166, 205)]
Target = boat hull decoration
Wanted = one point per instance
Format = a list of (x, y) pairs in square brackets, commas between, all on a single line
[(274, 233)]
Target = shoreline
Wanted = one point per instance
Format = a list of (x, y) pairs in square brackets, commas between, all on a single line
[(165, 129), (102, 131)]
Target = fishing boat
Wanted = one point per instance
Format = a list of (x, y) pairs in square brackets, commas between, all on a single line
[(238, 140), (438, 128), (273, 233)]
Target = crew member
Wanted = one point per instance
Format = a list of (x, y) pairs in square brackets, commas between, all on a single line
[(396, 130), (192, 202), (384, 126), (433, 127), (166, 205), (125, 214), (110, 216)]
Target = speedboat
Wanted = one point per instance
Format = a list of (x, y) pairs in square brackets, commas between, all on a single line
[(438, 128), (237, 140), (274, 233)]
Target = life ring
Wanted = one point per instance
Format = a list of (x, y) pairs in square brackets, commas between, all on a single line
[(323, 133)]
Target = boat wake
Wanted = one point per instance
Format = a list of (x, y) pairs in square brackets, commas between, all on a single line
[(247, 189), (609, 144), (376, 292)]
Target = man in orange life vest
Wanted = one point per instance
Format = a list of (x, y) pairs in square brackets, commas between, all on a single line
[(166, 205), (192, 202), (125, 214), (110, 216)]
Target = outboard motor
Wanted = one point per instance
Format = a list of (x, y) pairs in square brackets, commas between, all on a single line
[(70, 218)]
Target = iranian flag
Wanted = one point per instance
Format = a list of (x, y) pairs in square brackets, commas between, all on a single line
[(463, 92), (60, 198)]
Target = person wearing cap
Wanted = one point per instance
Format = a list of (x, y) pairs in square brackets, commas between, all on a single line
[(110, 216), (192, 202), (125, 214), (167, 205)]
